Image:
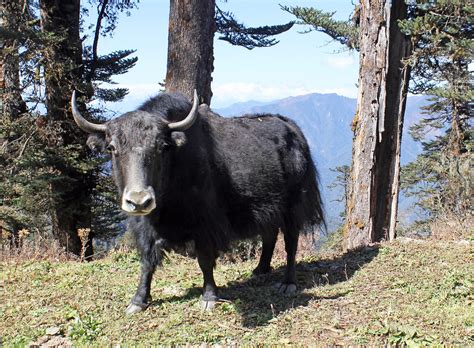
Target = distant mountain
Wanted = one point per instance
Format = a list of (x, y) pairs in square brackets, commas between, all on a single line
[(236, 109), (326, 122)]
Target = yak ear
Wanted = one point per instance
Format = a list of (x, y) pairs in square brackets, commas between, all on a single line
[(96, 142), (178, 138)]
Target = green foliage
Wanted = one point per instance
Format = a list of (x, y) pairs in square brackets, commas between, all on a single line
[(107, 218), (84, 330), (29, 166), (238, 34), (43, 155), (441, 182), (105, 67), (403, 336), (334, 241), (442, 33), (345, 32)]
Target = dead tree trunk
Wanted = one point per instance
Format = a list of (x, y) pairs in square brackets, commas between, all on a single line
[(71, 193), (190, 48), (383, 82)]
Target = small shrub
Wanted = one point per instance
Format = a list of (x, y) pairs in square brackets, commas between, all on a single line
[(33, 246), (334, 242), (85, 330)]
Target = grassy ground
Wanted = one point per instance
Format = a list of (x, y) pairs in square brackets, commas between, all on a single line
[(406, 293)]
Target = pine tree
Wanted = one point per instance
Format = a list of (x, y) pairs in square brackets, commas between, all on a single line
[(99, 71), (11, 103), (442, 32), (48, 181), (341, 182), (71, 189), (12, 19)]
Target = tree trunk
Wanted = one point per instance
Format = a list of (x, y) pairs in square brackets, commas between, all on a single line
[(383, 82), (71, 193), (190, 48), (11, 103)]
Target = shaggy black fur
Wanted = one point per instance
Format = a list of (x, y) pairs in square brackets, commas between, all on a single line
[(222, 179)]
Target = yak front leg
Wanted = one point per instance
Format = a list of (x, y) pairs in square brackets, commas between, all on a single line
[(207, 262), (142, 298), (150, 258)]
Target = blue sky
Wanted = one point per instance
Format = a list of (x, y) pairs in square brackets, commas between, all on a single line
[(299, 64)]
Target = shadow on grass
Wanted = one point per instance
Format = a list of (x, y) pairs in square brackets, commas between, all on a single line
[(257, 300), (191, 293)]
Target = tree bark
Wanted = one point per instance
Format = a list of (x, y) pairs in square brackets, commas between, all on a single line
[(383, 82), (190, 48), (11, 103), (63, 58)]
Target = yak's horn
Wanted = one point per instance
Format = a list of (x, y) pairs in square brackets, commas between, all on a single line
[(85, 125), (189, 120)]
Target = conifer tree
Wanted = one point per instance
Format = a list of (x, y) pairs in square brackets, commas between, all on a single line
[(440, 178), (441, 33), (49, 181)]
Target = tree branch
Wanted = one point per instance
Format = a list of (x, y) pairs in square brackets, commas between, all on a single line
[(345, 32), (239, 35), (95, 44)]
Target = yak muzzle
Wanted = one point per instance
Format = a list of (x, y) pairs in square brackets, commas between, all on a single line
[(140, 202)]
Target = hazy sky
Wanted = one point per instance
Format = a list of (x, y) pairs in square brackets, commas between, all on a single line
[(299, 64)]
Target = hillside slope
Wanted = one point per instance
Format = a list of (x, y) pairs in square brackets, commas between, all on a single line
[(396, 293)]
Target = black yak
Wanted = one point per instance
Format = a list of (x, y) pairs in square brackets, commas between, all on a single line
[(186, 174)]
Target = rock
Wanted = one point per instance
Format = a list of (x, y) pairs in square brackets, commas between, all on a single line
[(53, 331)]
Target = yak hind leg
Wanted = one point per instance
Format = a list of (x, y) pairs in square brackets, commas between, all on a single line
[(207, 262), (288, 286), (268, 245)]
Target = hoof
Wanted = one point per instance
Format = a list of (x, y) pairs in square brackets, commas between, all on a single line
[(209, 302), (208, 305), (286, 288), (133, 308)]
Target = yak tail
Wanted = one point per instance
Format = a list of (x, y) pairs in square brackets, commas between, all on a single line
[(313, 202), (306, 213)]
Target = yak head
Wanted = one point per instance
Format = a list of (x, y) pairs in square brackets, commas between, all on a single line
[(136, 141)]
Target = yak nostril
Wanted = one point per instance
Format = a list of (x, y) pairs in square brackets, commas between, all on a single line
[(147, 203), (132, 203), (139, 201)]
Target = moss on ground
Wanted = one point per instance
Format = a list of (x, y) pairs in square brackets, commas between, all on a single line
[(405, 293)]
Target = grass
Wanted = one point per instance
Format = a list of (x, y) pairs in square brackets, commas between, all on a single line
[(398, 293)]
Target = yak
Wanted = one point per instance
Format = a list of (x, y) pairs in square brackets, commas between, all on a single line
[(187, 175)]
